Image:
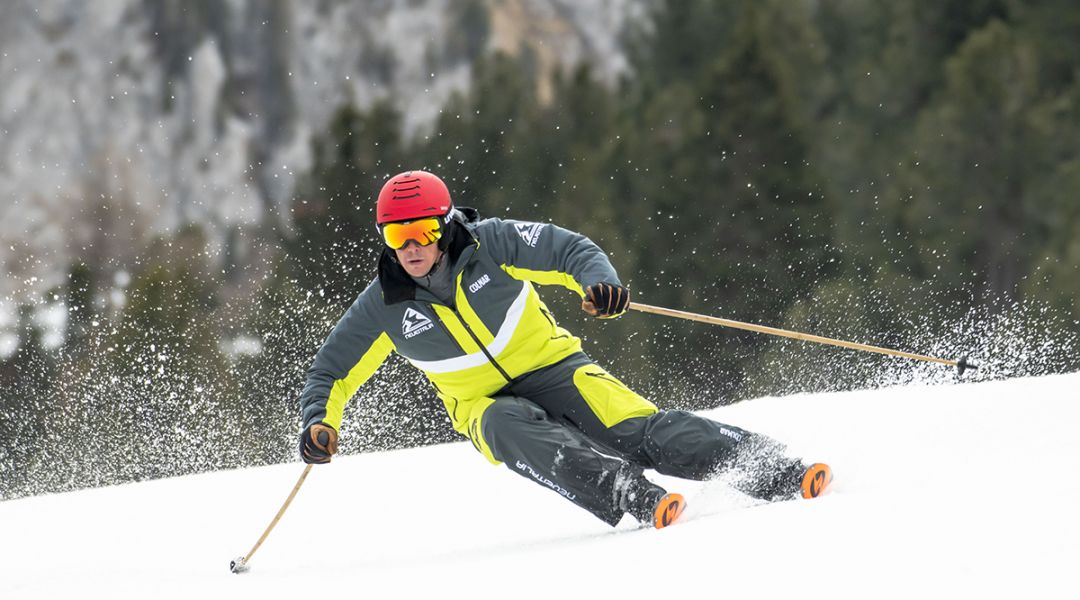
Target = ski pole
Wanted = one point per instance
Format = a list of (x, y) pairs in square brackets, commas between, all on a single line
[(240, 565), (961, 364)]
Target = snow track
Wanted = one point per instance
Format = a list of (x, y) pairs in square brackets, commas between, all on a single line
[(962, 491)]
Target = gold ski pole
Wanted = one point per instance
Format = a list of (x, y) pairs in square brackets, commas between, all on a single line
[(961, 364), (239, 565)]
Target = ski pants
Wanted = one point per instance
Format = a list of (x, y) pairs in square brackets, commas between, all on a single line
[(575, 429)]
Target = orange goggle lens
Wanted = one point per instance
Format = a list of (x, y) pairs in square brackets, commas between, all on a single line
[(422, 231)]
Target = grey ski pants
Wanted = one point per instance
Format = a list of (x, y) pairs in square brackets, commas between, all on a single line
[(549, 426)]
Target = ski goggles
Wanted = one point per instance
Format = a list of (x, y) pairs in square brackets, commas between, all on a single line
[(422, 231)]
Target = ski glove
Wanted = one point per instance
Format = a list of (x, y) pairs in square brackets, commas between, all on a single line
[(606, 300), (317, 443)]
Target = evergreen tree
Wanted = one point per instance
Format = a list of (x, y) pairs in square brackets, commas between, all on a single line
[(726, 196), (79, 300), (482, 145), (26, 381), (167, 390), (977, 152), (333, 245)]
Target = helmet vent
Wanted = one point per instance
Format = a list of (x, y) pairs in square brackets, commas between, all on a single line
[(402, 189)]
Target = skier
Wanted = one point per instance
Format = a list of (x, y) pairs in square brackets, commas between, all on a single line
[(454, 295)]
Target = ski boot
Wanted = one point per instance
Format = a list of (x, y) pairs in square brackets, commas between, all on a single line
[(650, 504), (762, 468), (796, 480)]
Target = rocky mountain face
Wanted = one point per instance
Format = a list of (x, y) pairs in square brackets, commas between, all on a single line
[(123, 119)]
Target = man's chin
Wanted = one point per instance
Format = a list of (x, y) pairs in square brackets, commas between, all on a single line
[(417, 271)]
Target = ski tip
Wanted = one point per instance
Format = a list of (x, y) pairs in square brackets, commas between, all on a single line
[(816, 480), (668, 510)]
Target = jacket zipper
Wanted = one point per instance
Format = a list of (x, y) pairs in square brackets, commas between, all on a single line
[(483, 348), (553, 325)]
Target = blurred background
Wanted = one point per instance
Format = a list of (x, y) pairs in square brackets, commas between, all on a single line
[(187, 192)]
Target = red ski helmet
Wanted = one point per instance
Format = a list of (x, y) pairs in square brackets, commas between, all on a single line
[(412, 195)]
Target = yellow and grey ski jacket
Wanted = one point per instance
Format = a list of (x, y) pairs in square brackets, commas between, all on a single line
[(498, 328)]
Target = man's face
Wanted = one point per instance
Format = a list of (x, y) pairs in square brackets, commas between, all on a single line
[(417, 260)]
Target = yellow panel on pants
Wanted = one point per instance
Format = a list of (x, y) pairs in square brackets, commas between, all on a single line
[(610, 400), (465, 415)]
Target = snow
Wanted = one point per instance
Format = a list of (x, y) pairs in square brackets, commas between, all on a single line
[(963, 490)]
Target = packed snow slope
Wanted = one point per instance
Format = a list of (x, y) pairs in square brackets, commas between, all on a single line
[(966, 491)]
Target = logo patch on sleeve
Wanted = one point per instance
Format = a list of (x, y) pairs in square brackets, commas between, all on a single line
[(530, 232), (414, 323)]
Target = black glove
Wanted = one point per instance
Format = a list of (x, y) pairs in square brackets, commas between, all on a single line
[(317, 443), (606, 300)]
